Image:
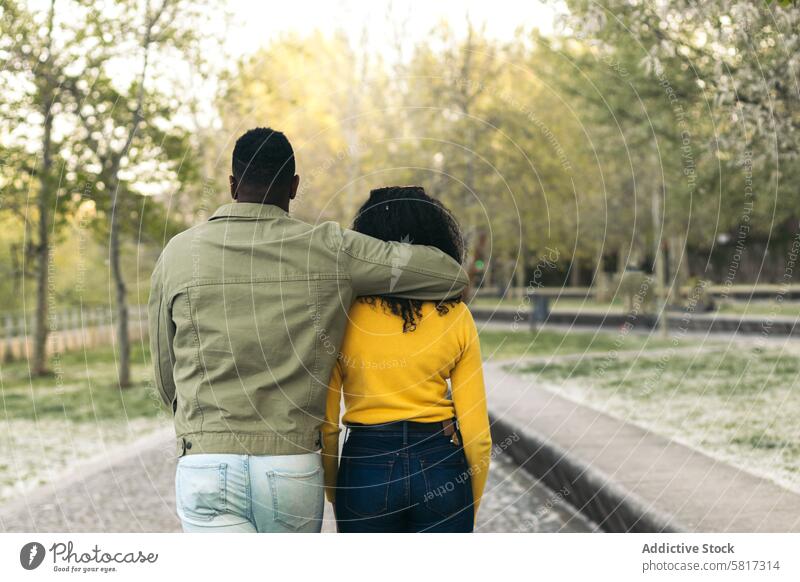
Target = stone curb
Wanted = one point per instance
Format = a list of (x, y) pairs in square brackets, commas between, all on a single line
[(588, 490)]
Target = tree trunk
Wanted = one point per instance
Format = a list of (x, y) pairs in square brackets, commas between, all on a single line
[(678, 263), (622, 260), (520, 274), (120, 296), (41, 330), (575, 274), (660, 266), (120, 292), (42, 248)]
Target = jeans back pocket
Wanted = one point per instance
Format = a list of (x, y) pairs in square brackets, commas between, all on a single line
[(448, 484), (297, 498), (366, 482), (200, 491)]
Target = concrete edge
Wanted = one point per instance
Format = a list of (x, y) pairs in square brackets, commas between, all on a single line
[(588, 490)]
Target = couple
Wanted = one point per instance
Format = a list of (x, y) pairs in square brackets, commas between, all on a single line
[(260, 323)]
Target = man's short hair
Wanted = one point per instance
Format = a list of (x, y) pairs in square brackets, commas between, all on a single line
[(263, 157)]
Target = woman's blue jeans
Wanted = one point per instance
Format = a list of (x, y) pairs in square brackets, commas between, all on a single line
[(396, 479)]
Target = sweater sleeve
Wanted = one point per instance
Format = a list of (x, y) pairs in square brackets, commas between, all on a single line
[(330, 432), (469, 399)]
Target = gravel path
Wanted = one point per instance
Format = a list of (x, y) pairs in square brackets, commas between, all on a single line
[(133, 492)]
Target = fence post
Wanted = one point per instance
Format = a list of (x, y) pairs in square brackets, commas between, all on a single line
[(134, 322), (54, 336), (97, 325), (105, 317), (8, 340), (100, 326), (24, 343), (143, 322), (77, 330), (88, 328)]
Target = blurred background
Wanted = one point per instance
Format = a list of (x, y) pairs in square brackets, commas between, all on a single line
[(617, 166)]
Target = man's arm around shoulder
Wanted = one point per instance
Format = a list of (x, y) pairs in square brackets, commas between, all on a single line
[(404, 270)]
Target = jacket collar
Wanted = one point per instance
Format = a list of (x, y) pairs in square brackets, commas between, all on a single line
[(249, 210)]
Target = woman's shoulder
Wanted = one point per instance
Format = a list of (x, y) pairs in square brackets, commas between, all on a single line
[(373, 304), (453, 316), (460, 309)]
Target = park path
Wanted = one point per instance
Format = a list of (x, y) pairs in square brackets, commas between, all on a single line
[(643, 473), (131, 488), (133, 491), (119, 491)]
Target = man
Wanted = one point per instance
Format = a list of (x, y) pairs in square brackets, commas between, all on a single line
[(247, 313)]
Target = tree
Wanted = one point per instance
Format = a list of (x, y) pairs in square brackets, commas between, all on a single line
[(732, 69), (33, 99), (321, 95), (129, 133)]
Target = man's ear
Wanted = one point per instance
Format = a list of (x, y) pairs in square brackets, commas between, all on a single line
[(294, 186), (234, 187)]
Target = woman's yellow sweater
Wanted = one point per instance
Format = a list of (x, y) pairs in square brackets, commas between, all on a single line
[(387, 375)]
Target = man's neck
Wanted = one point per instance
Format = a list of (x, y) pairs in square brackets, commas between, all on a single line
[(282, 204)]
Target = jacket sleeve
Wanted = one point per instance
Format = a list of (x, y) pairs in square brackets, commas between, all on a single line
[(403, 270), (330, 432), (162, 332)]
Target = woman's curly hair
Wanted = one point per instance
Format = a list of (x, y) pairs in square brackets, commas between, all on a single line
[(408, 214)]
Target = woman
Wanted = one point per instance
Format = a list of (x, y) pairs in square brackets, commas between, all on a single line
[(406, 466)]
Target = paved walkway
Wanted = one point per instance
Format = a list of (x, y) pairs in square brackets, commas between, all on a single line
[(117, 492), (131, 490), (134, 492), (689, 489)]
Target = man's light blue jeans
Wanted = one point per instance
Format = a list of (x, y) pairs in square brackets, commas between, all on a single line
[(242, 493)]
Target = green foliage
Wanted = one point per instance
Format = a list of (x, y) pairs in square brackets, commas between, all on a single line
[(123, 155), (640, 123), (84, 389), (706, 86)]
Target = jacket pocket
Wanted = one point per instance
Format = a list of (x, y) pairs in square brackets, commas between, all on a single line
[(297, 498), (200, 491)]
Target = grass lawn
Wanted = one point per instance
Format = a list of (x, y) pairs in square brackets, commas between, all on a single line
[(547, 342), (567, 304), (756, 308), (52, 424), (82, 388), (753, 308), (739, 404)]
